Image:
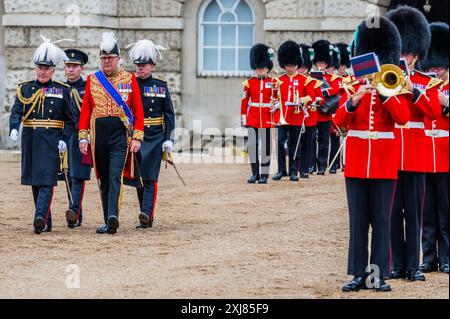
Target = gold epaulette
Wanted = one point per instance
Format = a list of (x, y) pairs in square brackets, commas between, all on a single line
[(308, 80), (245, 83), (434, 83), (334, 77), (318, 84), (24, 82), (63, 84)]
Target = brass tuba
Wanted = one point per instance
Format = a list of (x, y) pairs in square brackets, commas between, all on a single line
[(390, 81)]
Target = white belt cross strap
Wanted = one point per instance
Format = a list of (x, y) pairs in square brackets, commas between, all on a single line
[(373, 135), (436, 133), (260, 104), (419, 125)]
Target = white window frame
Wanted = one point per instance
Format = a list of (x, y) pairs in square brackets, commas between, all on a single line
[(219, 73)]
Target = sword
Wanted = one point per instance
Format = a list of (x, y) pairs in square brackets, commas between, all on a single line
[(167, 159), (65, 169), (336, 156)]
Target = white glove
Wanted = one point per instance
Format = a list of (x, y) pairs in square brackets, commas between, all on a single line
[(89, 139), (167, 147), (62, 146), (14, 136), (244, 120)]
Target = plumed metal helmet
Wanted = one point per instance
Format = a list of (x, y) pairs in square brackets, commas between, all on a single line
[(307, 55), (438, 53), (344, 50), (383, 40), (289, 53), (261, 56), (323, 52), (414, 30)]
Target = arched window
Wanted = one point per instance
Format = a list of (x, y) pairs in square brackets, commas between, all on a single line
[(226, 35)]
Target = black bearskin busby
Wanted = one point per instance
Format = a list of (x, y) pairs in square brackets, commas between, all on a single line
[(261, 56), (438, 53), (323, 52), (307, 55), (344, 50), (336, 58), (384, 41), (414, 30), (289, 54)]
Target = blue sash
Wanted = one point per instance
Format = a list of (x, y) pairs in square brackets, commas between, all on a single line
[(111, 90)]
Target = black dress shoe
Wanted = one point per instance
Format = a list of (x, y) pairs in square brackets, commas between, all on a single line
[(383, 286), (71, 216), (398, 274), (321, 172), (262, 180), (444, 268), (103, 229), (39, 225), (415, 275), (253, 179), (294, 178), (356, 284), (304, 175), (333, 171), (113, 224), (428, 267), (142, 226), (144, 218), (278, 176), (47, 229)]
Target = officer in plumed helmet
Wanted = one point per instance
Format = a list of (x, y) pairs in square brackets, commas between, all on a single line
[(43, 108), (159, 123), (79, 172)]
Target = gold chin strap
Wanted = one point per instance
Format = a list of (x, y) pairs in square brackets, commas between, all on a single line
[(37, 98)]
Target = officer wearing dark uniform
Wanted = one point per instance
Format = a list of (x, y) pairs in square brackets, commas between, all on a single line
[(159, 123), (79, 172), (43, 108)]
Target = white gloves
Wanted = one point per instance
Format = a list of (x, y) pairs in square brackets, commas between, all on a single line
[(167, 147), (14, 136), (244, 120), (62, 146)]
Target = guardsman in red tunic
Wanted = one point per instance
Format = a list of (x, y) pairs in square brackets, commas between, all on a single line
[(295, 98), (416, 147), (307, 143), (112, 113), (435, 242), (323, 59), (371, 161), (257, 111)]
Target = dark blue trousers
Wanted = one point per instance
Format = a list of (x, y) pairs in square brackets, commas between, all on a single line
[(435, 243), (307, 157), (369, 204), (259, 141), (290, 134), (147, 198), (43, 196), (323, 144), (406, 221), (77, 187)]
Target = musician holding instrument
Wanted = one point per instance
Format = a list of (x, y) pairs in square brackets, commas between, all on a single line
[(295, 98), (372, 158), (416, 146), (259, 101), (435, 241)]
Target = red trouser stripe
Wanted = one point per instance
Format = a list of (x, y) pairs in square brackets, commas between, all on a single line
[(390, 218), (155, 195), (81, 200), (49, 207)]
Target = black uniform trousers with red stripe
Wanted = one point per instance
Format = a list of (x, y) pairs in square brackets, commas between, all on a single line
[(369, 204), (259, 142), (290, 134), (435, 242), (406, 221), (43, 196)]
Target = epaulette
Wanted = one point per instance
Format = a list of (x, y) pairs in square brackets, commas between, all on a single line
[(245, 83), (159, 80), (334, 77), (434, 83), (318, 84), (63, 84), (24, 82), (308, 79)]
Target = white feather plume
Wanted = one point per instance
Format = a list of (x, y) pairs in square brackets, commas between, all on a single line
[(145, 49), (109, 40), (48, 51)]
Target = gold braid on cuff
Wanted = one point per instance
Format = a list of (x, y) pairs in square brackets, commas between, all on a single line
[(138, 135), (83, 135)]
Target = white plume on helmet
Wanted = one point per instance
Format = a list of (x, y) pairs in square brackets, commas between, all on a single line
[(109, 41), (145, 50), (49, 52)]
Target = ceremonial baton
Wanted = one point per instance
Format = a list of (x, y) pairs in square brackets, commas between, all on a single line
[(167, 159)]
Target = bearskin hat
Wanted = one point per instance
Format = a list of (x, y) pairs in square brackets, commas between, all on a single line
[(261, 56), (307, 55), (336, 58), (438, 53), (289, 54), (344, 50), (414, 30), (384, 41), (323, 52)]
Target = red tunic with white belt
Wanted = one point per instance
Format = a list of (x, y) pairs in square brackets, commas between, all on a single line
[(257, 101), (438, 130), (416, 146), (334, 81), (372, 152), (294, 91)]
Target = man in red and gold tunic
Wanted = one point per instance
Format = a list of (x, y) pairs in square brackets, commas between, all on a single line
[(112, 114)]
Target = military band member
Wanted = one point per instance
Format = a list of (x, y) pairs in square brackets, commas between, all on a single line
[(435, 242), (372, 160), (42, 107), (159, 121), (257, 111), (323, 60), (79, 172), (113, 115), (295, 98), (416, 146)]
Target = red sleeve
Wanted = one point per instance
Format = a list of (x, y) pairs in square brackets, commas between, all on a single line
[(245, 98), (343, 115), (138, 110), (309, 90), (86, 111), (397, 106), (428, 103)]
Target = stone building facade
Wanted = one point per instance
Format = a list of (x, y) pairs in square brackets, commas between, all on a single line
[(176, 24)]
